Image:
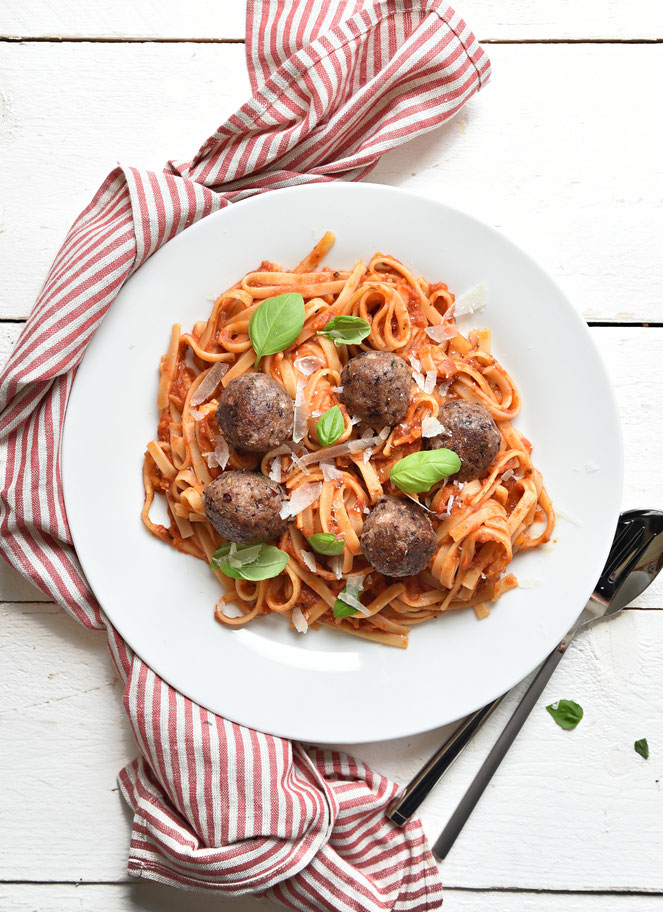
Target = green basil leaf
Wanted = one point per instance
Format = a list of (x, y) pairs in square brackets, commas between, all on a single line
[(566, 713), (326, 543), (276, 324), (270, 562), (341, 610), (418, 472), (346, 330), (330, 426), (642, 748)]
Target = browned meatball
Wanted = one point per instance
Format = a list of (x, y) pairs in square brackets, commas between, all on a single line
[(471, 433), (255, 413), (398, 538), (244, 507), (376, 388)]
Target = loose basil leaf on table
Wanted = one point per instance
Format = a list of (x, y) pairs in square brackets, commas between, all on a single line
[(326, 543), (346, 330), (276, 323), (642, 747), (330, 426), (566, 713), (269, 563), (418, 472)]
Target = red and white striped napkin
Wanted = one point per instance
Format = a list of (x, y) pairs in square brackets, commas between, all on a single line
[(219, 807)]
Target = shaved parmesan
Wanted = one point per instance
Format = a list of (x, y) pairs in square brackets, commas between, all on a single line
[(222, 453), (367, 454), (301, 465), (529, 583), (354, 420), (196, 415), (298, 620), (420, 380), (231, 611), (442, 332), (415, 362), (275, 471), (384, 433), (309, 560), (507, 475), (209, 383), (350, 595), (430, 381), (443, 388), (337, 389), (473, 300), (450, 504), (316, 413), (419, 504), (330, 472), (431, 427), (336, 565), (567, 516), (301, 413), (301, 499), (307, 366)]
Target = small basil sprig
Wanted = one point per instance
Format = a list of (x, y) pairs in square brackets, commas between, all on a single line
[(566, 713), (326, 543), (330, 426), (418, 472), (342, 609), (269, 563), (642, 747), (346, 330), (276, 323)]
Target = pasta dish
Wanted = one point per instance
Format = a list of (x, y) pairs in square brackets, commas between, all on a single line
[(340, 453)]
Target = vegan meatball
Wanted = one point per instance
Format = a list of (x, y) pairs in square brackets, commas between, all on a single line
[(376, 388), (244, 507), (471, 433), (398, 538), (255, 413)]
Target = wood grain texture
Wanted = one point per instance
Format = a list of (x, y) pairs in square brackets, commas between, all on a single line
[(558, 812), (569, 168), (155, 898), (206, 19)]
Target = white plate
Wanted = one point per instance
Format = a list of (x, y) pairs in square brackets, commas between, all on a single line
[(326, 686)]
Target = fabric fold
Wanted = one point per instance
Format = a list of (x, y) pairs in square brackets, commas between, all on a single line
[(219, 807)]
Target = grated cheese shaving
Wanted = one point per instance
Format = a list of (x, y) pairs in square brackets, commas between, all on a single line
[(301, 413), (209, 383), (275, 472), (442, 332), (298, 620), (309, 560), (307, 366), (330, 472), (473, 300), (431, 427), (301, 499)]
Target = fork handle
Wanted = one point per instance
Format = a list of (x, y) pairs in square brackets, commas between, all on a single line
[(497, 754)]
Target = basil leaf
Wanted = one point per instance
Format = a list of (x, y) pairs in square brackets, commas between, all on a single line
[(330, 426), (342, 610), (346, 330), (270, 562), (418, 472), (326, 543), (276, 324), (566, 713), (642, 748)]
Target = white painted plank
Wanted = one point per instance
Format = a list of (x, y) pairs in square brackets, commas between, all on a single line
[(570, 168), (558, 813), (634, 358), (206, 19), (155, 898)]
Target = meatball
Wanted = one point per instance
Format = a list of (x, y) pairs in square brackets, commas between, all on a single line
[(244, 507), (398, 538), (471, 433), (255, 413), (376, 388)]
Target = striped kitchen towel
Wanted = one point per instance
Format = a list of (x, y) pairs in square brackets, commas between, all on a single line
[(218, 807)]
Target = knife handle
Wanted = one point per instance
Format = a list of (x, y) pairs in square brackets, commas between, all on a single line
[(491, 763), (408, 801)]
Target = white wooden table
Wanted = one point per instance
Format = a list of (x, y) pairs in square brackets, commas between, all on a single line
[(563, 152)]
